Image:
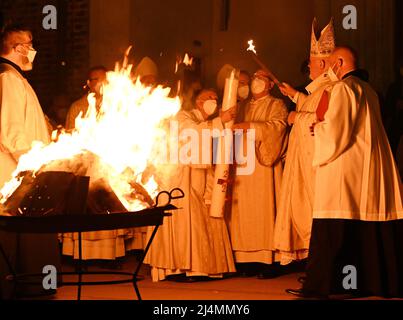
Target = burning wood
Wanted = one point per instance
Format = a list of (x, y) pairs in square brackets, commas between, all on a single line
[(115, 147), (50, 193)]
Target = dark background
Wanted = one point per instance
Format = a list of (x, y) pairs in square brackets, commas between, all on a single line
[(93, 32)]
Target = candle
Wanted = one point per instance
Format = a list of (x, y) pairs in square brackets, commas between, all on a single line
[(221, 175)]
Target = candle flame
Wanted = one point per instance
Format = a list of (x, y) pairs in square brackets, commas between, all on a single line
[(251, 47), (187, 60)]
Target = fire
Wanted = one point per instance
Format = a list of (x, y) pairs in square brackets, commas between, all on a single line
[(118, 144), (187, 60), (251, 47)]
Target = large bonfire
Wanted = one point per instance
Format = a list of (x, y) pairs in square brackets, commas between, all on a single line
[(120, 144)]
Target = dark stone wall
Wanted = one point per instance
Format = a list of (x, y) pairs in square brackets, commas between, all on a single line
[(92, 32), (62, 61)]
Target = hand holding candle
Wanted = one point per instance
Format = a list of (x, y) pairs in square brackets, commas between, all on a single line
[(221, 175)]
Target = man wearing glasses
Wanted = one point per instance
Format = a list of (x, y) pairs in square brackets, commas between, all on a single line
[(21, 117), (21, 122)]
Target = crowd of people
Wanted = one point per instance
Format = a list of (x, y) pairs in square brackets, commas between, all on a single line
[(325, 188)]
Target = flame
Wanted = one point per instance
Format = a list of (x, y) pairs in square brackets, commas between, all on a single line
[(187, 60), (119, 144), (251, 47)]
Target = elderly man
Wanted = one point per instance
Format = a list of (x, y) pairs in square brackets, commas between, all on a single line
[(191, 245), (294, 218), (255, 196), (357, 244), (96, 77), (21, 122)]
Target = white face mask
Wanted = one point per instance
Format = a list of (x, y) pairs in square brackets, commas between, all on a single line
[(31, 55), (258, 86), (333, 75), (209, 107), (243, 92), (319, 81)]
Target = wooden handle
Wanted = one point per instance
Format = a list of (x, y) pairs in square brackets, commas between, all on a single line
[(265, 68)]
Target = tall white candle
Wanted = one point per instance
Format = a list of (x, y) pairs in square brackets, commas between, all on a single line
[(224, 149)]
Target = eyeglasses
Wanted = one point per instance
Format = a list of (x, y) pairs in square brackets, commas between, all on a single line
[(29, 44)]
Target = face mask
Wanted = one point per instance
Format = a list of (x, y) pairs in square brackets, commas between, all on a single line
[(319, 81), (333, 75), (243, 92), (31, 55), (210, 106), (258, 86)]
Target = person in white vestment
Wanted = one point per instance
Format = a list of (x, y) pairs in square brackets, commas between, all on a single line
[(22, 122), (191, 245), (357, 228), (255, 196), (294, 213), (96, 77)]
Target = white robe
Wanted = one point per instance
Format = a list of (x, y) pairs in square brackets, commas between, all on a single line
[(80, 105), (294, 214), (191, 241), (356, 175), (21, 120), (255, 196)]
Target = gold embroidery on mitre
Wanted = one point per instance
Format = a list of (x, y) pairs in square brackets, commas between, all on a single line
[(325, 45)]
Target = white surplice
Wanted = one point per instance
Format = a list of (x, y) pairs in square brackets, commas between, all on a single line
[(356, 175), (21, 120), (190, 241), (294, 214), (255, 196)]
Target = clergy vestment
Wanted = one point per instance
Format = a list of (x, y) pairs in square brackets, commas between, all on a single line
[(358, 215), (294, 212), (21, 122), (190, 241), (22, 119), (80, 105), (255, 196)]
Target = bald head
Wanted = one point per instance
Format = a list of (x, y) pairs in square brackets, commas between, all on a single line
[(344, 59)]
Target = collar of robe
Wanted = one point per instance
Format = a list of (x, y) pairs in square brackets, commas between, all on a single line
[(198, 114), (254, 101), (359, 73), (318, 82), (15, 66)]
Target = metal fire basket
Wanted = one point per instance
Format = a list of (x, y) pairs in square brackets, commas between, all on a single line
[(64, 222)]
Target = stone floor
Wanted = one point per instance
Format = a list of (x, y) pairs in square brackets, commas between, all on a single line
[(231, 288)]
